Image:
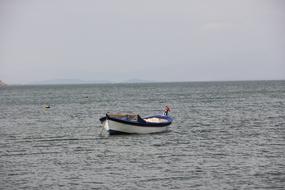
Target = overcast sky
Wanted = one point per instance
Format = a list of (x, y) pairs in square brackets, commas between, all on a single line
[(156, 40)]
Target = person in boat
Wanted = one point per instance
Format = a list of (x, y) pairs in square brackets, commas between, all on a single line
[(166, 110)]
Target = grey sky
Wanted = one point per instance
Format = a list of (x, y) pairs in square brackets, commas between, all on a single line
[(157, 40)]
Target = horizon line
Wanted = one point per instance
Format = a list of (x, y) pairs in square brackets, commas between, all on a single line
[(137, 82)]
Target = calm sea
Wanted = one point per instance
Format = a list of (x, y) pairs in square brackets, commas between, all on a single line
[(226, 135)]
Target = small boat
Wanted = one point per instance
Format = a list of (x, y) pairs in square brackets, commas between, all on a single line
[(124, 123)]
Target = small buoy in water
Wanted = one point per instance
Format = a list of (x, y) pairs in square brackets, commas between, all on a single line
[(47, 106)]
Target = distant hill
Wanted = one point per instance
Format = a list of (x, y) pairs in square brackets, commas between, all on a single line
[(2, 83), (137, 81), (79, 81), (68, 81)]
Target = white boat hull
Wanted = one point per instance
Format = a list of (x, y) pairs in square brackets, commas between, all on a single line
[(117, 127)]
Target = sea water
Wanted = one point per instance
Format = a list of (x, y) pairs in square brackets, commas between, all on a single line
[(225, 135)]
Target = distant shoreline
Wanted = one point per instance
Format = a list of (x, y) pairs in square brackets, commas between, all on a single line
[(152, 82)]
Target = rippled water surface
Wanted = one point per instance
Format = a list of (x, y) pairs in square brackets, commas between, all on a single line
[(226, 135)]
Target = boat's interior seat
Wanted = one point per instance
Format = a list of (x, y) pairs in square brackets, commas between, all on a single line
[(155, 120)]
